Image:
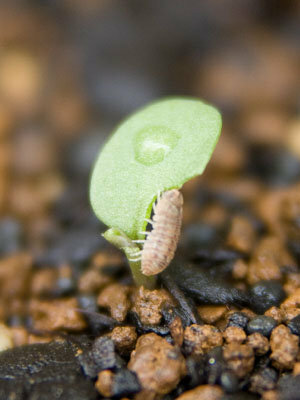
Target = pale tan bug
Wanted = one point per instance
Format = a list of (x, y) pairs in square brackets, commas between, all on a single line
[(161, 243)]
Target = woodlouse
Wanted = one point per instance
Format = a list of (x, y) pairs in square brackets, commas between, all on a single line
[(161, 242)]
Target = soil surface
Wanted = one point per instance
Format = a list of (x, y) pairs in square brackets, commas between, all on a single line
[(224, 320)]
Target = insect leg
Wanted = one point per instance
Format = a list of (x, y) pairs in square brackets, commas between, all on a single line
[(148, 220), (135, 259), (139, 241)]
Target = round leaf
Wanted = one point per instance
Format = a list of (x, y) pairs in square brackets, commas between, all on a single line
[(158, 148)]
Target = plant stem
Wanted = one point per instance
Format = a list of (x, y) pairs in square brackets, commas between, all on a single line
[(124, 243), (140, 279)]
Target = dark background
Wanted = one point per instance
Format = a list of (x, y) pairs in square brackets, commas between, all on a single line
[(71, 70)]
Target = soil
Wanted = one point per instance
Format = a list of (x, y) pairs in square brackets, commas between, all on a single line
[(224, 320)]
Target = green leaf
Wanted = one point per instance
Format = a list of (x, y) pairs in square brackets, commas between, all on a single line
[(158, 148)]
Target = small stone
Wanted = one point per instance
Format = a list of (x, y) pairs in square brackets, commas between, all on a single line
[(176, 330), (91, 281), (238, 319), (270, 395), (266, 294), (43, 281), (239, 269), (250, 313), (6, 337), (104, 383), (261, 324), (198, 339), (239, 358), (292, 283), (288, 387), (241, 235), (15, 290), (203, 392), (296, 369), (124, 338), (269, 255), (59, 314), (294, 325), (125, 383), (259, 343), (263, 380), (293, 301), (284, 346), (100, 357), (148, 305), (275, 313), (19, 335), (229, 382), (32, 339), (210, 314), (290, 313), (158, 365), (115, 297), (234, 334), (94, 278)]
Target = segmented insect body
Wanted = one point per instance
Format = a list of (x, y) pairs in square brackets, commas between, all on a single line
[(161, 243)]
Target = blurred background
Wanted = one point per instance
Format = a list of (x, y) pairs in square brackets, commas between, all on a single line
[(71, 69)]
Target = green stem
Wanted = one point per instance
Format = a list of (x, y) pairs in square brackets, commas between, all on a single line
[(124, 243)]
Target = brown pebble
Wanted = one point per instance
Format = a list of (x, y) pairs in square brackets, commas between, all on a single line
[(146, 395), (239, 269), (259, 343), (124, 338), (275, 313), (212, 214), (293, 301), (15, 277), (158, 365), (59, 314), (296, 369), (32, 339), (6, 337), (211, 314), (104, 383), (43, 281), (268, 257), (177, 331), (203, 392), (292, 283), (239, 358), (21, 80), (19, 335), (148, 304), (93, 279), (234, 334), (115, 297), (289, 214), (290, 313), (250, 314), (259, 384), (198, 339), (270, 395), (241, 235), (284, 346)]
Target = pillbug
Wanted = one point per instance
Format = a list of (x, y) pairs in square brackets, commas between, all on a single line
[(161, 242)]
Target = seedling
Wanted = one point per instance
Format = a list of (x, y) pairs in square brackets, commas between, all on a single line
[(158, 148)]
